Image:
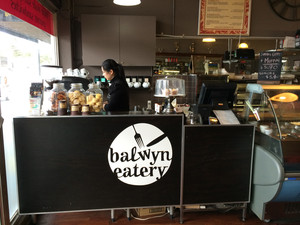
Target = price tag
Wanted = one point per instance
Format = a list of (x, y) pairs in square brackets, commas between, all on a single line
[(270, 67)]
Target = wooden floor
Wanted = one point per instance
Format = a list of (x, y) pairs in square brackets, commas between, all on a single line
[(190, 218)]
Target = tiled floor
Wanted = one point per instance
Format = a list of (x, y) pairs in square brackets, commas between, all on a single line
[(191, 218)]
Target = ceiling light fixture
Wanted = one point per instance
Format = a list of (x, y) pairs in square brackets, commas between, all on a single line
[(243, 45), (127, 2), (208, 40)]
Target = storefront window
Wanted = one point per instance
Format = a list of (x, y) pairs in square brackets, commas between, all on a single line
[(23, 50)]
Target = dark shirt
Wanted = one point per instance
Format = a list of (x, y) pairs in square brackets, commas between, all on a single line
[(117, 97)]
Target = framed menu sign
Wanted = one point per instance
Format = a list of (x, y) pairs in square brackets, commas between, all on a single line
[(224, 17), (269, 69)]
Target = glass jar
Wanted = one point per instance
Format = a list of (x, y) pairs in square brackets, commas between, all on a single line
[(75, 110), (94, 98), (85, 110), (57, 93), (62, 108), (76, 95)]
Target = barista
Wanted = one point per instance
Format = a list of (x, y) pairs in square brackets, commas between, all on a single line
[(118, 96)]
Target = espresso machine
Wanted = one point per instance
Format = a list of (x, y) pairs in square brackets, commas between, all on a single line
[(240, 62)]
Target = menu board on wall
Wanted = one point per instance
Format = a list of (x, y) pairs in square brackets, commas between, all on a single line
[(224, 17), (269, 69)]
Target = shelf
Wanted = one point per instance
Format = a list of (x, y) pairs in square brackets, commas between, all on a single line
[(132, 88), (230, 61), (169, 36), (139, 76), (175, 54), (140, 88), (287, 51)]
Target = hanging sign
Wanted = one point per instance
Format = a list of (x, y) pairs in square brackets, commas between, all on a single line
[(269, 67), (30, 11), (224, 17)]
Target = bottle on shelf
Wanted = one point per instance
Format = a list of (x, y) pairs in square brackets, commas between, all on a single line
[(75, 110), (62, 108), (85, 110), (297, 39)]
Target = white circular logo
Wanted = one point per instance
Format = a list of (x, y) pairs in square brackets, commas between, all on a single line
[(140, 155)]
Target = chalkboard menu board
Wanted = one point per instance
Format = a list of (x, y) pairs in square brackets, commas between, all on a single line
[(269, 66)]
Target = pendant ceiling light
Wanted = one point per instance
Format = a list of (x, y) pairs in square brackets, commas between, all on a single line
[(127, 2), (243, 45)]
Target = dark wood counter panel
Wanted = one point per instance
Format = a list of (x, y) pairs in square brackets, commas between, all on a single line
[(217, 164), (97, 162), (63, 164)]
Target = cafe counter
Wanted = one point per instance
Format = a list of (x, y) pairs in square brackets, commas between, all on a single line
[(78, 163)]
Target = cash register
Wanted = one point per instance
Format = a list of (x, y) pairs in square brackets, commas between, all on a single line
[(215, 95)]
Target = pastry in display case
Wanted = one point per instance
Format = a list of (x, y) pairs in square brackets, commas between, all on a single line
[(275, 110), (169, 87)]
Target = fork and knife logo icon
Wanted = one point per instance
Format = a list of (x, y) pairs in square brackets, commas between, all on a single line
[(139, 140)]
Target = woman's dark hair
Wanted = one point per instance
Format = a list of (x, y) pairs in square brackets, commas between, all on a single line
[(110, 64)]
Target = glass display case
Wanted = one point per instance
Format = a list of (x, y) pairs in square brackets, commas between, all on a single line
[(169, 87), (275, 103), (275, 111)]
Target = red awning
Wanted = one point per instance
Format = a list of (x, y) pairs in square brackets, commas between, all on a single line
[(30, 11)]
